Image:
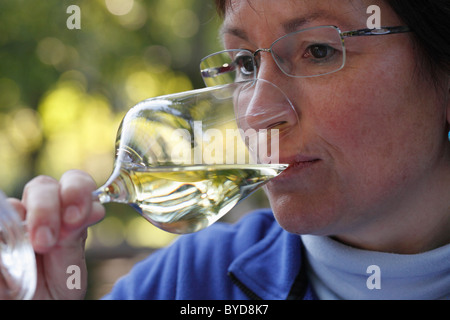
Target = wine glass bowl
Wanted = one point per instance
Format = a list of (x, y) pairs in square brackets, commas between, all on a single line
[(185, 160)]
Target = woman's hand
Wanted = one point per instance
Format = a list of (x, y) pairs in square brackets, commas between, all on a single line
[(57, 215)]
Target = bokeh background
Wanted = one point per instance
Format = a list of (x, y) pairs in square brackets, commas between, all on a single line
[(63, 93)]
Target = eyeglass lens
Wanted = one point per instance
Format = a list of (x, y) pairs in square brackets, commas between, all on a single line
[(306, 53)]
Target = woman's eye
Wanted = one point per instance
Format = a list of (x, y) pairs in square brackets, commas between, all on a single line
[(319, 51), (245, 65)]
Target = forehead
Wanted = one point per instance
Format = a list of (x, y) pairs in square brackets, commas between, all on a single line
[(291, 15)]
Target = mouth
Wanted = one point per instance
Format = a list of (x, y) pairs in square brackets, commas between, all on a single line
[(298, 165)]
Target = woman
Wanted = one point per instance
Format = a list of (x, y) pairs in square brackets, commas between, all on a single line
[(363, 210)]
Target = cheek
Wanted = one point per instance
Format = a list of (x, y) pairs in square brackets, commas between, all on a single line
[(375, 134), (350, 120)]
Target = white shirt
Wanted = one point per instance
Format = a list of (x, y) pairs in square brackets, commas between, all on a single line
[(338, 271)]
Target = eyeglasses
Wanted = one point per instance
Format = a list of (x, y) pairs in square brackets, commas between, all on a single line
[(311, 52)]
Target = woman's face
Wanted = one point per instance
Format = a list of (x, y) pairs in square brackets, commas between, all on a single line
[(370, 135)]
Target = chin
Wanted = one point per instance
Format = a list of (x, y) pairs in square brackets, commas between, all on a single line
[(304, 217)]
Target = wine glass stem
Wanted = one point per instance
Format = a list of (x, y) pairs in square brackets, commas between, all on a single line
[(100, 195)]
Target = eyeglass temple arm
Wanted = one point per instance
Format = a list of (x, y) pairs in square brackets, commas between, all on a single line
[(375, 32)]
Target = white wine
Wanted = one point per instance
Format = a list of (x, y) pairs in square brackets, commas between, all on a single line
[(185, 199)]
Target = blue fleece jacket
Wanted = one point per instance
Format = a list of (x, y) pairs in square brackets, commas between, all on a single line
[(254, 258)]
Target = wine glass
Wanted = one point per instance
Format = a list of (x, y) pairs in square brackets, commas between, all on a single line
[(17, 261), (183, 161)]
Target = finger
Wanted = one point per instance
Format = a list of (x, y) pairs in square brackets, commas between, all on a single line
[(76, 198), (18, 207), (41, 199), (98, 213)]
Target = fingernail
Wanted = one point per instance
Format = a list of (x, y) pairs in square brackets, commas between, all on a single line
[(72, 214), (44, 237)]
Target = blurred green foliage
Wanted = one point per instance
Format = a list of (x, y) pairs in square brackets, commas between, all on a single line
[(63, 92)]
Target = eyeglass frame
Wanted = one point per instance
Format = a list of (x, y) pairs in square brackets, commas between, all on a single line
[(342, 34)]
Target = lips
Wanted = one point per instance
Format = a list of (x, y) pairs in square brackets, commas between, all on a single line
[(302, 164), (298, 159), (297, 164)]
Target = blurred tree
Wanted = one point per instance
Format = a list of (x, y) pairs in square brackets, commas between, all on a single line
[(63, 91)]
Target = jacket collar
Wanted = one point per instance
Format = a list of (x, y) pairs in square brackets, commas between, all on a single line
[(272, 268)]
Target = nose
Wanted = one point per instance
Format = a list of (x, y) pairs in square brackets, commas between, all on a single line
[(269, 106), (262, 107)]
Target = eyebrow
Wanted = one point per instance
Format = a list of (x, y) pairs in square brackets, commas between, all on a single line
[(288, 26), (233, 31), (297, 23)]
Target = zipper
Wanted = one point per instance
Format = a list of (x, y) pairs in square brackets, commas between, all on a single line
[(249, 293), (298, 289)]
